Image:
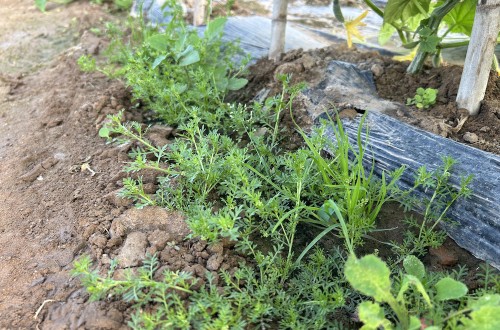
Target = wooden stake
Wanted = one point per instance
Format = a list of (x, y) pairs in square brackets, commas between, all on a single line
[(199, 9), (479, 56), (278, 29)]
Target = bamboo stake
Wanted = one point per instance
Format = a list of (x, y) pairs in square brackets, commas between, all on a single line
[(278, 29), (199, 9), (479, 56)]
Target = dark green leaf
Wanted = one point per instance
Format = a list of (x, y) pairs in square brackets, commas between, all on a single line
[(429, 44), (461, 17), (403, 9)]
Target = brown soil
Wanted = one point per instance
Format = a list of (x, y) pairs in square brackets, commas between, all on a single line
[(59, 179)]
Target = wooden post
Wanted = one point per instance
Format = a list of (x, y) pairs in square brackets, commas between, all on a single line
[(479, 55), (278, 29), (199, 10)]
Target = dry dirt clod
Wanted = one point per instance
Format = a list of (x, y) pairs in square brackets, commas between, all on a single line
[(133, 250), (214, 262), (444, 256), (149, 219)]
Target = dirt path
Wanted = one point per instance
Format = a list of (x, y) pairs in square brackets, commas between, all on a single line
[(47, 131)]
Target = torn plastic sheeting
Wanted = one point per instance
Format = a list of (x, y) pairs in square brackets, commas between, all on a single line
[(345, 83), (253, 32), (392, 144)]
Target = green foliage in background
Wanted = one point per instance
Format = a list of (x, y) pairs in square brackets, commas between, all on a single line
[(422, 25), (120, 4)]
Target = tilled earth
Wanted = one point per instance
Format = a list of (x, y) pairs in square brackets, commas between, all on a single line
[(59, 179)]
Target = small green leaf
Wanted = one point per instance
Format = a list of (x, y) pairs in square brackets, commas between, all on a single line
[(429, 44), (377, 284), (158, 42), (41, 4), (190, 58), (235, 84), (104, 132), (158, 60), (448, 288), (414, 266), (373, 316), (215, 27), (415, 282)]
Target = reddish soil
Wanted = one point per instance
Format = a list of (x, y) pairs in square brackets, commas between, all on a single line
[(59, 179)]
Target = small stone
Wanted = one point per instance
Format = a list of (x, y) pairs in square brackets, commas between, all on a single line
[(444, 256), (377, 70), (163, 131), (54, 123), (470, 137), (158, 140), (37, 281), (485, 129), (214, 262), (133, 251)]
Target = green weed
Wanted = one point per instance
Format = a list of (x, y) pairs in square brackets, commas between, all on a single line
[(424, 98)]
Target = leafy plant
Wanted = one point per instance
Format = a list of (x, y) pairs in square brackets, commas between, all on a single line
[(424, 98), (478, 313), (247, 298), (421, 236), (120, 4), (421, 25)]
